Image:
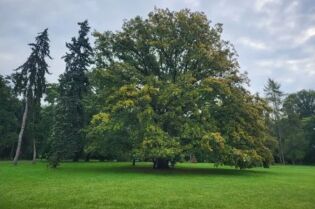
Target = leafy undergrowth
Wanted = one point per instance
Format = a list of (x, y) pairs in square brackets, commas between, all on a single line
[(120, 185)]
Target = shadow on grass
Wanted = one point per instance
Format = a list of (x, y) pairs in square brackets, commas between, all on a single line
[(177, 171)]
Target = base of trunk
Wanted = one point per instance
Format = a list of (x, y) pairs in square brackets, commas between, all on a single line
[(87, 157), (76, 157), (161, 163), (34, 152)]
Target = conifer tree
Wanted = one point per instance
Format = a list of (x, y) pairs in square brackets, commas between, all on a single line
[(275, 96), (30, 82), (70, 117)]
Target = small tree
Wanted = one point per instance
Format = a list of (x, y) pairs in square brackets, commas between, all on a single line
[(30, 82)]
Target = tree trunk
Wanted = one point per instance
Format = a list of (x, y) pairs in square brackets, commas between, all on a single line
[(76, 156), (265, 164), (278, 127), (101, 158), (282, 155), (281, 148), (12, 151), (192, 158), (87, 157), (133, 161), (18, 148), (161, 163), (34, 152)]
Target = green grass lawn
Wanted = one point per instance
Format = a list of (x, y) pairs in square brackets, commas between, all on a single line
[(119, 185)]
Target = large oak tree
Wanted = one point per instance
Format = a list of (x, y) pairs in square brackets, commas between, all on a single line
[(169, 85)]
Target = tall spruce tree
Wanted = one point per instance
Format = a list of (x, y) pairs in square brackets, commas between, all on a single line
[(275, 96), (70, 117), (30, 82)]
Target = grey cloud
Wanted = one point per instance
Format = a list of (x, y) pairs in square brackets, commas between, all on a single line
[(274, 38)]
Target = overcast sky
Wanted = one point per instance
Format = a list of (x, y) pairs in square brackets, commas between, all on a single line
[(274, 38)]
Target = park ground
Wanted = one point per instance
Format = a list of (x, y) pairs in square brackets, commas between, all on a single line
[(120, 185)]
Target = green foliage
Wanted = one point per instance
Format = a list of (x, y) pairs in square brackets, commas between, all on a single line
[(168, 86), (301, 103), (291, 122), (298, 126), (9, 114), (29, 80), (309, 133)]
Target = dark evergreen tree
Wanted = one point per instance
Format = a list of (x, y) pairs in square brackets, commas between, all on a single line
[(70, 117), (9, 112), (30, 82)]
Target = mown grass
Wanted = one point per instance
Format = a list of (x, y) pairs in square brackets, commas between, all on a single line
[(119, 185)]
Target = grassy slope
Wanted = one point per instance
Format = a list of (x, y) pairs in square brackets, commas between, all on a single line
[(119, 185)]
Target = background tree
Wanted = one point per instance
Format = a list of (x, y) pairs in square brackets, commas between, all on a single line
[(9, 119), (172, 86), (295, 144), (299, 109), (301, 104), (30, 81), (309, 132), (73, 84), (275, 96), (46, 121)]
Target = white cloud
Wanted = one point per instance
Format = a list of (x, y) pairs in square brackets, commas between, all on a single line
[(179, 4), (304, 66), (258, 45), (263, 5), (260, 4), (192, 3), (305, 35), (6, 57), (285, 80)]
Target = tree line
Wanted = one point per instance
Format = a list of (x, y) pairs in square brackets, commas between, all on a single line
[(165, 88)]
